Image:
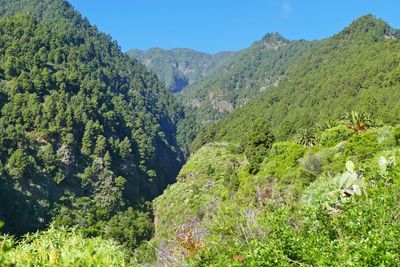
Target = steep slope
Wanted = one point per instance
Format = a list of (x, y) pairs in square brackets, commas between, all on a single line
[(179, 67), (357, 69), (331, 199), (84, 131), (300, 209), (243, 77)]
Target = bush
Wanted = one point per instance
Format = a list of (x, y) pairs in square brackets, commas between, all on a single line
[(130, 228), (282, 162), (396, 134), (332, 136), (62, 247), (313, 161), (362, 146)]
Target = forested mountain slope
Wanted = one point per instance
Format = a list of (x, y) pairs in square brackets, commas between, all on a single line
[(307, 174), (356, 69), (332, 204), (85, 132), (243, 77), (179, 67), (264, 191)]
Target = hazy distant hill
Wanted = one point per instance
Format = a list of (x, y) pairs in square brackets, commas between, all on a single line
[(179, 67)]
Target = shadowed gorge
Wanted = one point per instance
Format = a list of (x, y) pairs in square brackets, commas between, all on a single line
[(84, 130), (284, 153)]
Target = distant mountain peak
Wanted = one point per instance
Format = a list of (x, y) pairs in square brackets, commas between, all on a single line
[(368, 27), (272, 40), (274, 36)]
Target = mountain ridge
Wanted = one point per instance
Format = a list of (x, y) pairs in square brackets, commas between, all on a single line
[(243, 77), (335, 67), (178, 67), (297, 163)]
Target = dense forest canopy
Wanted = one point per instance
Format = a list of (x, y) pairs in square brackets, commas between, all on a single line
[(356, 69), (301, 167), (243, 77), (85, 132)]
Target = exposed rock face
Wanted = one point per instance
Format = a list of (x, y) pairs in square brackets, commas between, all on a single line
[(243, 77), (178, 68)]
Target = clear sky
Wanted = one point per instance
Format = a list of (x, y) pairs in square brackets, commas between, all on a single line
[(225, 25)]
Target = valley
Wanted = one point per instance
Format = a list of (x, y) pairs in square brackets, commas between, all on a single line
[(283, 153)]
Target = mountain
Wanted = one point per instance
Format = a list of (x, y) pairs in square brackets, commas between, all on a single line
[(306, 172), (243, 77), (179, 67), (286, 179), (355, 69), (85, 132)]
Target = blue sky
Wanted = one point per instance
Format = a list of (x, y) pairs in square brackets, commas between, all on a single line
[(225, 25)]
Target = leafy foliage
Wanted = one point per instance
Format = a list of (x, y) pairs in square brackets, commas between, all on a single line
[(257, 144), (358, 122), (299, 209), (243, 76), (130, 228), (355, 69), (305, 137), (334, 135), (85, 132), (61, 247)]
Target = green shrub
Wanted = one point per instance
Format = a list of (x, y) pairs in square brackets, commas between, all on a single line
[(313, 161), (130, 228), (362, 146), (332, 136), (282, 162), (396, 134), (62, 247)]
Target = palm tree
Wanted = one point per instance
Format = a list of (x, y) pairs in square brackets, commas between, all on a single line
[(305, 137), (326, 125), (357, 121)]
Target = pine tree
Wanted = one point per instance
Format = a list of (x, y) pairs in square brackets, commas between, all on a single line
[(259, 141)]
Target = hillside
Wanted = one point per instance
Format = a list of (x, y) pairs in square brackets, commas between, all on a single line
[(179, 67), (245, 76), (335, 203), (85, 133), (297, 164), (296, 177), (356, 69)]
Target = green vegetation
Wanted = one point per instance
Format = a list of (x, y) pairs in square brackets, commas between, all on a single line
[(257, 144), (310, 206), (244, 76), (178, 68), (86, 135), (60, 247), (356, 69)]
